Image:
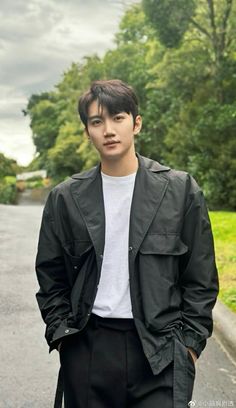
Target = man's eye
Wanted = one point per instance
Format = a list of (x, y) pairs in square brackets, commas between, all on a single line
[(119, 117), (95, 122)]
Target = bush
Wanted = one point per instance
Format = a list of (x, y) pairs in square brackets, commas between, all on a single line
[(8, 191), (37, 183), (11, 180), (35, 178)]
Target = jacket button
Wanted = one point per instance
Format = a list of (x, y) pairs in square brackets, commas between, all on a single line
[(101, 256), (67, 331), (130, 248), (75, 267)]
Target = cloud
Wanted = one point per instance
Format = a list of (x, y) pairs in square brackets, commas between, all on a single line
[(15, 133), (39, 39), (16, 141)]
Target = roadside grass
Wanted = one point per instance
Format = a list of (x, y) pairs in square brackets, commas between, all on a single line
[(224, 231)]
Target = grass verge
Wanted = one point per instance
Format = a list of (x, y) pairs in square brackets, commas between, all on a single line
[(224, 230)]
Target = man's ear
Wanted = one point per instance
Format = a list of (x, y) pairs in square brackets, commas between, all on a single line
[(137, 124)]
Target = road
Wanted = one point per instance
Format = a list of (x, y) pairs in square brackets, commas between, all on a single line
[(28, 373)]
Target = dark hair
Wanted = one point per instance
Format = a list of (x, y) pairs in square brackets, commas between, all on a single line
[(115, 95)]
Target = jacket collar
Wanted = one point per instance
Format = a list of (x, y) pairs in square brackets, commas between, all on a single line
[(150, 187), (145, 162)]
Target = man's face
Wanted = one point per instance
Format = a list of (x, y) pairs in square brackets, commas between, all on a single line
[(113, 136)]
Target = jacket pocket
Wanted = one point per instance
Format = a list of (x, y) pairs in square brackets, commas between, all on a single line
[(159, 257), (159, 269), (163, 244), (81, 256), (76, 254), (76, 249)]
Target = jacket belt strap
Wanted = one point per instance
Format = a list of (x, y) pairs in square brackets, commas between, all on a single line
[(59, 390), (180, 381)]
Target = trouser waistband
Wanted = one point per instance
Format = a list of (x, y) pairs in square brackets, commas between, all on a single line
[(112, 322)]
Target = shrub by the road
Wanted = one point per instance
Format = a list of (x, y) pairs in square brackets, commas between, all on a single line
[(8, 191)]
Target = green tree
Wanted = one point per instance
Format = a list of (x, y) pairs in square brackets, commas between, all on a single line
[(170, 18), (212, 22), (186, 94), (43, 112), (207, 149), (195, 89), (8, 167)]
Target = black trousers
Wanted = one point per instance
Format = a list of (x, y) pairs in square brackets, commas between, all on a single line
[(104, 366)]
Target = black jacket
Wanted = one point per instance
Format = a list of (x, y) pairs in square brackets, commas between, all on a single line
[(173, 276)]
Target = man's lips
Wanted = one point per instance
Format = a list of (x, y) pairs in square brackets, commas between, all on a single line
[(110, 143)]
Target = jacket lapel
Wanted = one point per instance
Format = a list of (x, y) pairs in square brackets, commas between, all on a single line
[(89, 199), (149, 190)]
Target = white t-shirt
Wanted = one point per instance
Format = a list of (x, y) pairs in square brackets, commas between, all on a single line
[(113, 295)]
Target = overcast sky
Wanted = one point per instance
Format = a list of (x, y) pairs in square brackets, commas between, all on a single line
[(39, 39)]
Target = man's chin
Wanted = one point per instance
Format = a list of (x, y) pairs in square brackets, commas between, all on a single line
[(112, 155)]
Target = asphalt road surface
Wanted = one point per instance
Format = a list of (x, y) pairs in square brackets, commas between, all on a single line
[(28, 373)]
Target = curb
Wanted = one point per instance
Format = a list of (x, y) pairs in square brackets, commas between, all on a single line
[(225, 327)]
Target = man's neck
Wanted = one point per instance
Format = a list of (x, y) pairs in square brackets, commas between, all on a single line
[(121, 167)]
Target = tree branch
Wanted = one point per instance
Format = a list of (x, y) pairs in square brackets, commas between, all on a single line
[(226, 16), (200, 28), (212, 16), (215, 37), (229, 42)]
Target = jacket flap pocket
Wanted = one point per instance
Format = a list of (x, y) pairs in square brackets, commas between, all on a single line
[(163, 244), (77, 251), (77, 248)]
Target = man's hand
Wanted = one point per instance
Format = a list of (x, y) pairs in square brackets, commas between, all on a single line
[(193, 354)]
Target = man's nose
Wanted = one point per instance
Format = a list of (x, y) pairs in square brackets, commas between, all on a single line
[(108, 128)]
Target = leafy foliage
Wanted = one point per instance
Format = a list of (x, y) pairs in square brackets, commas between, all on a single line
[(180, 58), (8, 191), (8, 167), (170, 18)]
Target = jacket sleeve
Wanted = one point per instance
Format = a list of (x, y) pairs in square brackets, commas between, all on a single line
[(199, 278), (53, 296)]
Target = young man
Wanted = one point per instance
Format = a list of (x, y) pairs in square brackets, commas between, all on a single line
[(126, 269)]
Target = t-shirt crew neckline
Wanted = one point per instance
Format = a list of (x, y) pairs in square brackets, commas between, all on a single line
[(118, 179)]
